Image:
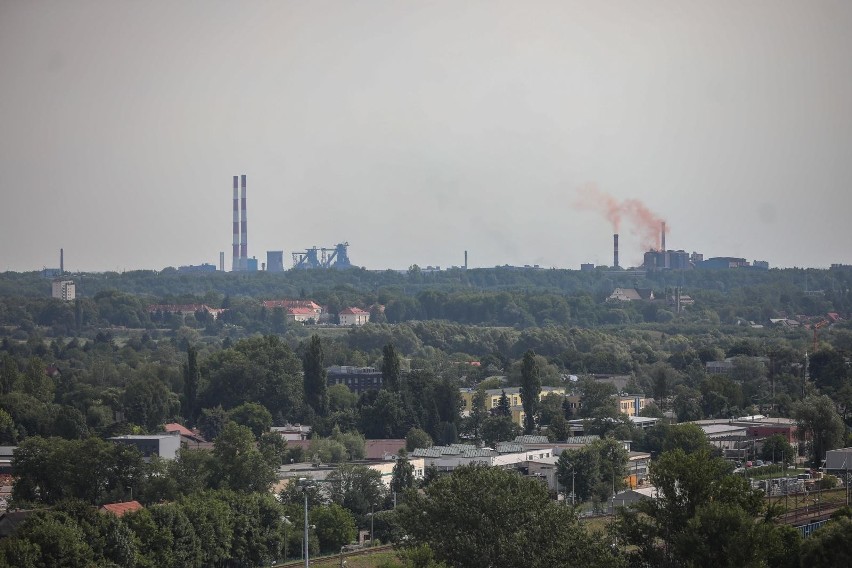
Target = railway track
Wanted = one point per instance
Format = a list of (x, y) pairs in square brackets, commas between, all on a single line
[(329, 557)]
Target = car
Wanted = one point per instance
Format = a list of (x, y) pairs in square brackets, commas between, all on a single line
[(758, 463), (749, 464)]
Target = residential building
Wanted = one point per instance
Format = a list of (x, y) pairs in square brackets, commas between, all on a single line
[(320, 472), (184, 309), (317, 312), (353, 316), (64, 290), (164, 445), (292, 432), (358, 379)]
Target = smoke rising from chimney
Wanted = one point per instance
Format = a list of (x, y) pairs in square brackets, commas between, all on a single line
[(643, 222)]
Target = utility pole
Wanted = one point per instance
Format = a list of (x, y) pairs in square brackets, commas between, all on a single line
[(305, 484)]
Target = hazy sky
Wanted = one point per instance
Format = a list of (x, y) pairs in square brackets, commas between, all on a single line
[(416, 130)]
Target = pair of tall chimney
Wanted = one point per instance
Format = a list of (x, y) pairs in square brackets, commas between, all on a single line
[(240, 247)]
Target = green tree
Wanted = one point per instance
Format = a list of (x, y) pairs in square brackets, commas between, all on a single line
[(253, 416), (335, 526), (818, 416), (402, 477), (503, 407), (9, 374), (499, 429), (417, 438), (478, 414), (530, 390), (316, 385), (775, 447), (241, 466), (35, 381), (212, 422), (148, 402), (830, 546), (494, 518), (390, 368), (56, 539), (357, 488), (686, 484), (191, 378)]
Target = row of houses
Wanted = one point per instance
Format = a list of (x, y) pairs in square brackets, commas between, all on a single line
[(302, 311)]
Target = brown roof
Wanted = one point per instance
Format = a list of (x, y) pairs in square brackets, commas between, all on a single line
[(353, 311), (376, 449), (119, 509), (179, 428), (309, 304)]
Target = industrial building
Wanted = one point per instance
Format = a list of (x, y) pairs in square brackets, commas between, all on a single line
[(275, 261), (332, 257)]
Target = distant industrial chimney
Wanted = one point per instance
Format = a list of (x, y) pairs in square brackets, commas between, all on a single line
[(221, 261), (615, 250), (235, 265), (243, 229), (663, 240), (61, 261), (465, 260)]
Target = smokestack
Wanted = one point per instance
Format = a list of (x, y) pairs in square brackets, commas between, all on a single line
[(663, 241), (465, 260), (243, 229), (222, 261), (615, 250), (235, 265), (61, 261)]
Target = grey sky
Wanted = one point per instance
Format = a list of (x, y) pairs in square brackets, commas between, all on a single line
[(416, 130)]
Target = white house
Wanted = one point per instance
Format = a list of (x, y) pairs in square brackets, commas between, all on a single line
[(353, 316)]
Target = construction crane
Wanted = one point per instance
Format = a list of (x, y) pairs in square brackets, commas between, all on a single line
[(817, 326)]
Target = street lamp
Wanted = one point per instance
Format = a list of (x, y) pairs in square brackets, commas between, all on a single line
[(305, 484), (286, 521)]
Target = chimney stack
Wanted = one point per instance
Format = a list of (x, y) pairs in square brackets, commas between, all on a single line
[(663, 241), (222, 261), (61, 261), (615, 250), (243, 229), (465, 260), (235, 266)]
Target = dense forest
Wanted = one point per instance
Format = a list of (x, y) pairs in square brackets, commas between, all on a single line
[(74, 373)]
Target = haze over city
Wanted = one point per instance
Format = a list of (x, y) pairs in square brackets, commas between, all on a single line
[(416, 131)]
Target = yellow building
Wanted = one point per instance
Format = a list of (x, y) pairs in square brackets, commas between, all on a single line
[(513, 394), (631, 405)]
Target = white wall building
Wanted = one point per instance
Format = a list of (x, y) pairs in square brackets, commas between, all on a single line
[(353, 316), (64, 290)]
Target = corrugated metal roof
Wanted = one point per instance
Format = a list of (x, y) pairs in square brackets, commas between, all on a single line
[(509, 448), (532, 439), (582, 439)]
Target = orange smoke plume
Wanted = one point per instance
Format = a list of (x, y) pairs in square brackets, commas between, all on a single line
[(644, 223), (590, 197)]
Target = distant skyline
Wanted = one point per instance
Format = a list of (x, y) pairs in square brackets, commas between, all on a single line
[(418, 130)]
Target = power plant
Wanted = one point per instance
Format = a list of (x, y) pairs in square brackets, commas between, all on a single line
[(336, 257)]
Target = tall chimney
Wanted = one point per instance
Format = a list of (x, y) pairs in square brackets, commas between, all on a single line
[(615, 250), (243, 229), (465, 260), (221, 261), (235, 266), (61, 261), (663, 240)]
